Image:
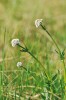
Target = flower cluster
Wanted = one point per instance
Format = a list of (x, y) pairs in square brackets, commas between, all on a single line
[(15, 42), (38, 22), (19, 64)]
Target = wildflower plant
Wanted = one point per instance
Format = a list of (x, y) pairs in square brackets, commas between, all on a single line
[(50, 82), (61, 54), (15, 42)]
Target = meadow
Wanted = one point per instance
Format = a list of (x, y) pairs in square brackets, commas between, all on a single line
[(17, 20)]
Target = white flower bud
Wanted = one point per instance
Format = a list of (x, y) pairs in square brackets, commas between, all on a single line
[(19, 64), (38, 22), (14, 42)]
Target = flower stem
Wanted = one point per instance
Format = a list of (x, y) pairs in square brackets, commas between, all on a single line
[(25, 49), (43, 27), (28, 70), (39, 63), (20, 46)]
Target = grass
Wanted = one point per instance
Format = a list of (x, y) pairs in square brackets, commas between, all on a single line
[(17, 21)]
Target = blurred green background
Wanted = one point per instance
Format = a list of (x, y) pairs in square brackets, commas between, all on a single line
[(17, 19)]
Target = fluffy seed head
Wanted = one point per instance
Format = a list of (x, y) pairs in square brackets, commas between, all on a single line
[(14, 42), (19, 64), (38, 22)]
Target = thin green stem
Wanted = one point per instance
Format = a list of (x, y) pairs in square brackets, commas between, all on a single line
[(20, 46), (39, 63), (35, 58), (28, 70), (25, 49), (43, 27)]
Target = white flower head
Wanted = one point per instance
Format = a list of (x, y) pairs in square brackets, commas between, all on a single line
[(19, 64), (38, 22), (14, 42)]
